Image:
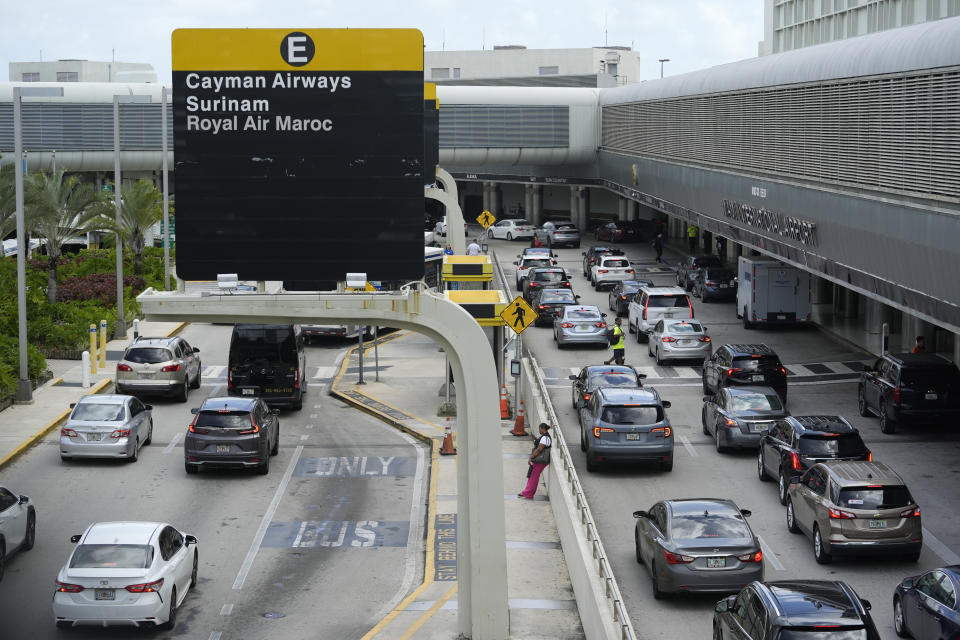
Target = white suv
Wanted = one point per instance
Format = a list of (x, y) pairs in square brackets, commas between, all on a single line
[(609, 270), (651, 304)]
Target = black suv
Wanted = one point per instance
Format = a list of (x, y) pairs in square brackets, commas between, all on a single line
[(744, 364), (688, 269), (268, 361), (794, 610), (591, 255), (795, 444), (544, 278), (232, 433), (909, 386)]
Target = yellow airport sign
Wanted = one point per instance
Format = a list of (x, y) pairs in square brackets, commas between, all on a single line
[(486, 219), (485, 305), (467, 269), (519, 315)]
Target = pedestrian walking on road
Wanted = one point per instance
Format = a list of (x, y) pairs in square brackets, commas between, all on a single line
[(692, 237), (538, 461), (473, 249), (658, 246), (619, 349), (920, 346)]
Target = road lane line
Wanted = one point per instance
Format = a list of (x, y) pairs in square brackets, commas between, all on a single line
[(226, 609), (215, 635), (325, 372), (266, 519), (428, 614), (942, 550), (304, 437), (768, 554), (173, 443), (689, 447)]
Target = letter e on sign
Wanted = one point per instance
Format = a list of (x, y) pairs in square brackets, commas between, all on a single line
[(297, 49)]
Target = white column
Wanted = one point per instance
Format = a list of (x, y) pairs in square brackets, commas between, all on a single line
[(528, 203), (538, 204), (633, 210), (575, 208)]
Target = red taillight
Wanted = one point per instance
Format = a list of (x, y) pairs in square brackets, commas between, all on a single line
[(602, 271), (600, 325), (838, 514), (229, 379), (586, 396), (751, 557), (566, 284), (66, 587), (783, 370), (146, 587), (661, 432), (674, 558), (598, 430), (911, 513), (123, 367), (704, 338), (869, 456), (734, 370), (710, 283), (170, 368), (120, 433), (623, 297), (645, 310), (730, 422), (194, 429), (668, 339), (70, 433), (296, 378), (540, 306), (690, 305), (566, 325), (896, 394), (255, 429), (629, 271), (795, 461)]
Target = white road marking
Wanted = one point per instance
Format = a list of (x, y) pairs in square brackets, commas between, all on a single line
[(303, 527), (324, 372), (687, 372), (769, 555), (304, 437), (173, 443), (942, 550), (309, 426), (650, 371), (266, 519), (800, 370), (837, 367), (214, 371), (689, 447), (314, 416), (226, 609), (215, 635)]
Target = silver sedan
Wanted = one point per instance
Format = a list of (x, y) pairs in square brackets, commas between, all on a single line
[(108, 426), (679, 340), (580, 324)]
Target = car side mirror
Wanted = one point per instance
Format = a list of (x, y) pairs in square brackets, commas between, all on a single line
[(571, 377), (583, 253), (189, 539), (706, 398), (907, 583), (704, 328), (24, 499), (603, 315), (576, 296), (75, 538), (516, 263), (794, 479), (195, 410), (640, 514), (665, 404), (148, 407), (866, 604), (721, 607), (73, 404), (196, 350), (746, 513), (641, 375)]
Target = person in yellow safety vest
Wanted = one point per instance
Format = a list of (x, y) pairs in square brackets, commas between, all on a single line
[(618, 347), (692, 237)]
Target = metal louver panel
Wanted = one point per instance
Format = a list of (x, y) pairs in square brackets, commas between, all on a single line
[(473, 126), (898, 133), (85, 127)]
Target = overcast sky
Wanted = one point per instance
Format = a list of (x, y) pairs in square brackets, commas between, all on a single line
[(693, 34)]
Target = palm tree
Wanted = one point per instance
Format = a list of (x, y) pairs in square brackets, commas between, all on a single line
[(59, 209), (8, 209), (141, 207)]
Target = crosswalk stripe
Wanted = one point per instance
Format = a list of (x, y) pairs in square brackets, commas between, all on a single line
[(800, 370), (837, 367), (686, 372), (650, 371), (324, 372), (214, 371)]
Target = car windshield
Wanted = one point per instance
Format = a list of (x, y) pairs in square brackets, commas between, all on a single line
[(224, 419), (549, 276), (700, 263), (271, 343), (98, 411), (148, 355), (612, 379), (868, 497), (685, 327), (668, 301), (564, 227), (616, 262), (923, 379), (820, 634), (112, 556), (832, 446), (719, 274), (754, 402), (552, 296), (536, 262), (708, 525), (635, 414), (756, 363), (582, 314)]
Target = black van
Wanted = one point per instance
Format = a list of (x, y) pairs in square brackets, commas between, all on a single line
[(267, 361)]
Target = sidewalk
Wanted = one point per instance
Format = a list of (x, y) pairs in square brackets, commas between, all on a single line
[(541, 598), (23, 425)]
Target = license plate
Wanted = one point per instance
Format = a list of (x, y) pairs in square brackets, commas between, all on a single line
[(633, 436), (685, 343), (780, 317), (223, 448), (93, 437), (668, 315), (878, 524), (146, 376), (248, 392), (723, 286), (104, 594), (930, 396), (756, 378), (583, 329), (716, 563)]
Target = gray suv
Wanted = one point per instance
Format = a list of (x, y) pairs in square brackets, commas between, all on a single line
[(163, 366), (626, 425), (232, 433)]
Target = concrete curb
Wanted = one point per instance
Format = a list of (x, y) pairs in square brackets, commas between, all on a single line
[(177, 329), (60, 419)]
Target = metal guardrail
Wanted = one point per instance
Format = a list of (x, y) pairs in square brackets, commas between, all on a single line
[(604, 570)]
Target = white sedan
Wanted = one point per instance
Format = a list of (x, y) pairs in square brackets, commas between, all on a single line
[(18, 525), (126, 573), (512, 229)]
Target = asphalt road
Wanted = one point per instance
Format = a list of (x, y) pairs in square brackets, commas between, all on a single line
[(925, 457), (340, 518)]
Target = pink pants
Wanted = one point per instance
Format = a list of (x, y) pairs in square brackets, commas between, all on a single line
[(533, 480)]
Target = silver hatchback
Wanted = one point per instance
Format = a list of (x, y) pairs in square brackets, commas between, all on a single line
[(679, 340), (108, 426), (580, 324), (163, 366)]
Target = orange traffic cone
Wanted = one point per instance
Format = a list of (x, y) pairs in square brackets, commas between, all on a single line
[(518, 427), (504, 404), (447, 448)]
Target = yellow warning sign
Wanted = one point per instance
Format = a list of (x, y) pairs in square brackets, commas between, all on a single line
[(486, 219), (519, 315)]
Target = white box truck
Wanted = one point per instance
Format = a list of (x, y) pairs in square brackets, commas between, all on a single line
[(771, 292)]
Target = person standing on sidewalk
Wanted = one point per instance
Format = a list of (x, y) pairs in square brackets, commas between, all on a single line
[(692, 237), (619, 349), (473, 249), (538, 461), (658, 246)]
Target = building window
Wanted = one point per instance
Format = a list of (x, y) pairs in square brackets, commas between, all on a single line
[(31, 77), (456, 72), (549, 71), (440, 73), (67, 76)]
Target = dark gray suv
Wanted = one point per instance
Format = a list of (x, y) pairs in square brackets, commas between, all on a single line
[(232, 433), (626, 425)]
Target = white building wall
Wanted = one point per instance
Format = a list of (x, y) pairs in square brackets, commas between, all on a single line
[(85, 70), (521, 63)]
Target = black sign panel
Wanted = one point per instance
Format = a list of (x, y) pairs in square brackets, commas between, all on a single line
[(296, 161), (431, 134)]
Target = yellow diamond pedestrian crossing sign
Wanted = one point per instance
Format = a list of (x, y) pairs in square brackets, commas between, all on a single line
[(486, 219), (519, 315)]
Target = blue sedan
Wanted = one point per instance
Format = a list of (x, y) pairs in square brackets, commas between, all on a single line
[(925, 606)]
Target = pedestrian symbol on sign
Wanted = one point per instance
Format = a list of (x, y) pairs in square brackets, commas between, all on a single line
[(519, 315), (486, 219)]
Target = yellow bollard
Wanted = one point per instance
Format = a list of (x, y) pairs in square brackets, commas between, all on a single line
[(93, 348), (103, 344)]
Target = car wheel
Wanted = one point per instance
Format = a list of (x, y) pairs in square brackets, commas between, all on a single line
[(573, 399), (591, 465), (819, 552), (172, 613), (182, 396), (191, 468), (64, 624), (196, 381), (630, 328), (658, 358), (276, 444), (898, 623), (30, 537), (791, 518), (3, 559), (264, 467), (887, 424), (862, 407), (657, 593), (782, 487), (649, 353), (583, 439), (509, 236), (193, 574), (298, 403), (149, 435), (706, 389), (703, 421), (761, 471), (519, 285), (636, 546), (136, 451), (716, 434), (64, 458), (667, 465), (639, 341)]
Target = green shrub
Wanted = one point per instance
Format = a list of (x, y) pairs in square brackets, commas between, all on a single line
[(10, 364)]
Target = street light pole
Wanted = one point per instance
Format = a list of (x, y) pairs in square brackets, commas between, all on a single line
[(662, 60), (24, 387), (166, 189)]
